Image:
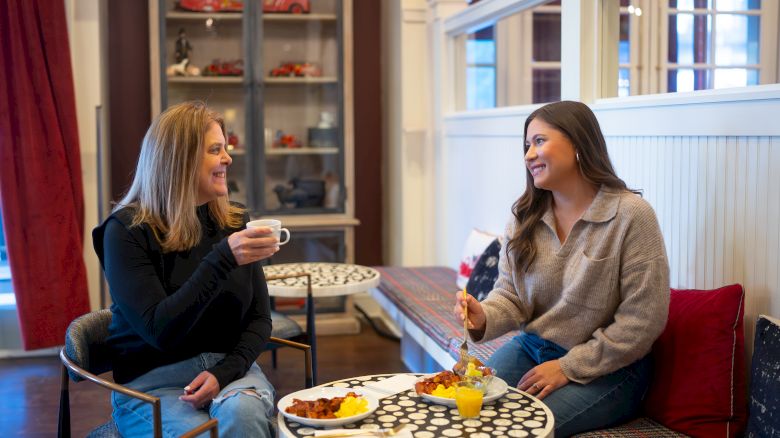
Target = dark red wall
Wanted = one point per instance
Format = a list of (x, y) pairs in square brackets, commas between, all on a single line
[(368, 132), (129, 98)]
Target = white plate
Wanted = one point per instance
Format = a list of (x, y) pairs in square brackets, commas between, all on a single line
[(496, 390), (314, 394)]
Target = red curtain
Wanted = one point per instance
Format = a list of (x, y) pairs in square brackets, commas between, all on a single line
[(40, 170)]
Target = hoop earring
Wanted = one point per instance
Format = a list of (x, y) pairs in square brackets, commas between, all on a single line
[(577, 156)]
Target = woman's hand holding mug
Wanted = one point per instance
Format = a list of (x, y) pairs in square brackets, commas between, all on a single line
[(258, 241)]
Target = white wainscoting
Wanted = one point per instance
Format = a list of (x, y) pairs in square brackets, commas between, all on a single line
[(714, 186)]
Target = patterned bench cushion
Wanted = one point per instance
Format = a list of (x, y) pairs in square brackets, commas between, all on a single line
[(426, 295), (639, 428)]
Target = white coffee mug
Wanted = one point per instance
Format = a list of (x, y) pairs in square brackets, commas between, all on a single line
[(274, 225)]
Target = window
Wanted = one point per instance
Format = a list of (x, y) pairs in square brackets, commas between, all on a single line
[(6, 288), (515, 61), (687, 45), (713, 44), (481, 69)]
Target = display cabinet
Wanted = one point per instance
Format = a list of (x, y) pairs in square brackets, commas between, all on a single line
[(280, 73)]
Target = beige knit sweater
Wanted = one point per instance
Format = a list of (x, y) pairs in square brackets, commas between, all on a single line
[(603, 294)]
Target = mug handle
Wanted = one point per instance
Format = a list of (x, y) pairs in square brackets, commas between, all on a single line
[(285, 230)]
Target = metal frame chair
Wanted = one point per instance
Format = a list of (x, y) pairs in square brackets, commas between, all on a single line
[(85, 357)]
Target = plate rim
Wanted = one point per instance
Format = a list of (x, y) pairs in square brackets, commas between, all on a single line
[(373, 405), (451, 401)]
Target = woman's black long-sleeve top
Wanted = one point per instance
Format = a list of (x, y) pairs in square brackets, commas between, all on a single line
[(168, 307)]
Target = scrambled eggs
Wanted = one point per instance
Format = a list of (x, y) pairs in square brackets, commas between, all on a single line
[(443, 392), (472, 371), (352, 406)]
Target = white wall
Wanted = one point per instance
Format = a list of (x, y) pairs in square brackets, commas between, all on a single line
[(84, 34)]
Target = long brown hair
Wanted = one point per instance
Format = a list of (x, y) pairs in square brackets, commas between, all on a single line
[(578, 123), (164, 192)]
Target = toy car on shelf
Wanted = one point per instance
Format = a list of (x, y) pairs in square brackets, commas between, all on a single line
[(297, 69), (224, 68), (290, 6), (212, 5)]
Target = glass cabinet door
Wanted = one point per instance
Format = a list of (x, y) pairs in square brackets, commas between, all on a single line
[(274, 70), (301, 165), (202, 57)]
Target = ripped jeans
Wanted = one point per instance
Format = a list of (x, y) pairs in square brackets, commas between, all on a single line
[(244, 408)]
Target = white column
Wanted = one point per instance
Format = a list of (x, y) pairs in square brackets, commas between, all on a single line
[(410, 160), (442, 94), (589, 72), (83, 18)]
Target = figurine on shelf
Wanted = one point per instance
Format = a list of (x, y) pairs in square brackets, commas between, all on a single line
[(300, 193), (182, 55), (289, 6), (212, 5), (297, 69), (232, 140), (183, 47), (224, 68), (325, 135), (288, 141)]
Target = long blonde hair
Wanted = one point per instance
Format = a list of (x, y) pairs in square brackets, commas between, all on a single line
[(164, 192)]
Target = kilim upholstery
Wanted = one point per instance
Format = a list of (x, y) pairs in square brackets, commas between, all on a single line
[(639, 428), (426, 295)]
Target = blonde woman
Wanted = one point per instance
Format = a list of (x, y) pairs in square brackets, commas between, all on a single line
[(190, 303), (584, 275)]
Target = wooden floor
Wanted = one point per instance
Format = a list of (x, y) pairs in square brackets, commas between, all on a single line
[(29, 388)]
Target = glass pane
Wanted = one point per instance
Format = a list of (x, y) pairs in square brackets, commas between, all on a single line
[(687, 79), (547, 37), (7, 297), (689, 38), (689, 5), (738, 5), (480, 87), (481, 47), (735, 77), (736, 39), (204, 60), (624, 82), (624, 45), (546, 86), (302, 109)]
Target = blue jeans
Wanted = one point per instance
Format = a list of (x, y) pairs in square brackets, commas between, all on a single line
[(605, 401), (243, 408)]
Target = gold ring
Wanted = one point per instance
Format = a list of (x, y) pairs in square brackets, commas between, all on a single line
[(536, 386)]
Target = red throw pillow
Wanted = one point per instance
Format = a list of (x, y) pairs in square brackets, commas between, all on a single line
[(699, 373)]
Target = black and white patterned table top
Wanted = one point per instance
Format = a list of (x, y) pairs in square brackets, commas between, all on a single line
[(327, 279), (516, 414)]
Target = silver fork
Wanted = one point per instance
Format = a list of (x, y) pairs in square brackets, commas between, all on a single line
[(376, 432), (464, 347)]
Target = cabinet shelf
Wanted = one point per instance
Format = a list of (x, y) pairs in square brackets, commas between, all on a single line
[(196, 16), (295, 80), (257, 107), (301, 151), (238, 80), (300, 17)]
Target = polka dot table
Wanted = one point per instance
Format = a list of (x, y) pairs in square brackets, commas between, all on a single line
[(327, 279), (516, 414)]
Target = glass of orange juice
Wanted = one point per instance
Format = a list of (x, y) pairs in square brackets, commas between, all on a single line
[(468, 399)]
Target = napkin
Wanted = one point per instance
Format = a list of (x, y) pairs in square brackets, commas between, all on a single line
[(404, 433), (391, 385)]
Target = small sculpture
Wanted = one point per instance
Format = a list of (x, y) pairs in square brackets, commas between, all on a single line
[(182, 55), (183, 47)]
